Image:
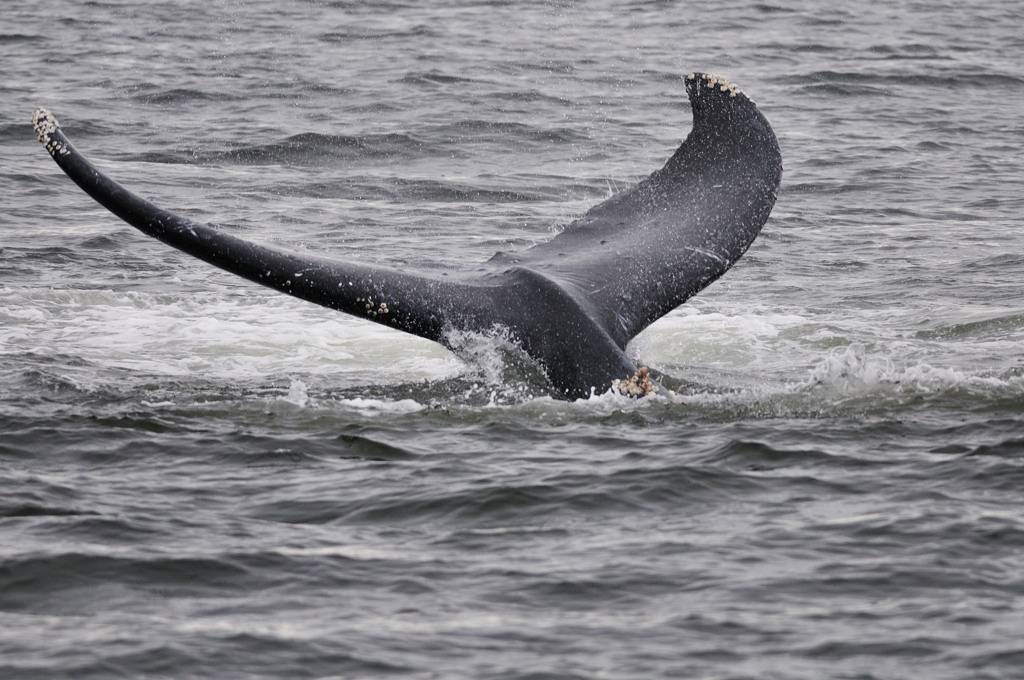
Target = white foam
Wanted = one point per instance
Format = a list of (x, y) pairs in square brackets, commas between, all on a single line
[(742, 357), (219, 337), (375, 406), (690, 336), (854, 370)]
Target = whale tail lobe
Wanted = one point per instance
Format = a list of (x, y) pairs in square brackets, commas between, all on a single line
[(417, 304), (645, 251)]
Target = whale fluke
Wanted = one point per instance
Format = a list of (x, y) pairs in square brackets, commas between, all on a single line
[(572, 303)]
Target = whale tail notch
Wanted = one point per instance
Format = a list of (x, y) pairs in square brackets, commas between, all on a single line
[(573, 302)]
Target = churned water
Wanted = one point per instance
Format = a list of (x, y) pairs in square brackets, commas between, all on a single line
[(200, 477)]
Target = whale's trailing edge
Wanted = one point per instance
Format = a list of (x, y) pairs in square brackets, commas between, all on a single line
[(574, 302)]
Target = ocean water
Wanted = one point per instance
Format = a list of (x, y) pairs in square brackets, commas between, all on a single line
[(200, 477)]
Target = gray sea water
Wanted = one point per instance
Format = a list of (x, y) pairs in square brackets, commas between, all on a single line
[(200, 477)]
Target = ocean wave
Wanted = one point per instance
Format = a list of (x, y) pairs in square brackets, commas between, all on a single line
[(434, 78), (355, 33), (306, 149), (624, 491), (852, 370), (996, 326), (179, 95), (967, 78), (468, 131), (10, 38), (441, 191)]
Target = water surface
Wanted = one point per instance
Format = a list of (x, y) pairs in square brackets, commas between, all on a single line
[(204, 478)]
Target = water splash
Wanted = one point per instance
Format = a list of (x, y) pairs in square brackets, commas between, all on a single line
[(298, 393), (505, 373)]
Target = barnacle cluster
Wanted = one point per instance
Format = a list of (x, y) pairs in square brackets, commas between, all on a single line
[(711, 81), (45, 124), (637, 385), (374, 309)]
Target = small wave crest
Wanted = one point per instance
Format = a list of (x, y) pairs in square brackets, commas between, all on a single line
[(853, 371), (306, 149), (179, 95), (996, 326), (349, 34)]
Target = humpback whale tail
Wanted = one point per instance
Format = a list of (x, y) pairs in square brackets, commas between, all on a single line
[(572, 303)]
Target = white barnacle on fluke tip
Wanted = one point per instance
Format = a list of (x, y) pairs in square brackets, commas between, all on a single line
[(45, 124), (713, 80)]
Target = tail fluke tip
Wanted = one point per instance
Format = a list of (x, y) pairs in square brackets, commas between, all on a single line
[(713, 81), (45, 125)]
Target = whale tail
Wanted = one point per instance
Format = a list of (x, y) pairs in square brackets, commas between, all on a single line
[(574, 302)]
